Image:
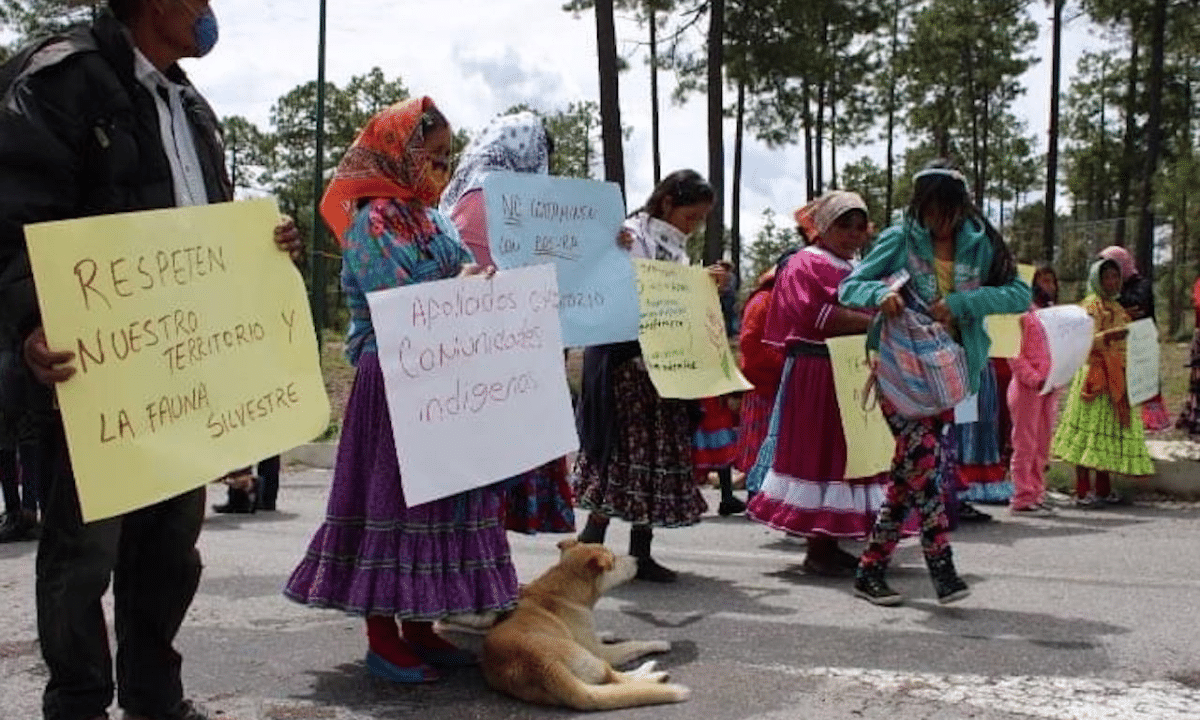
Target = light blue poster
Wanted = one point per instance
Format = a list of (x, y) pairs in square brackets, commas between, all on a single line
[(572, 223)]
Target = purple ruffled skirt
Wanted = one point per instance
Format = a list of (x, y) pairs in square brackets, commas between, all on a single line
[(374, 555)]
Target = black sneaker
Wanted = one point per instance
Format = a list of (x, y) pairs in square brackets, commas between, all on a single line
[(870, 586), (969, 513), (648, 569), (946, 582)]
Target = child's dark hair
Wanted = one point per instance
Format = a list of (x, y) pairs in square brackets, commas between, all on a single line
[(1040, 296), (683, 187), (942, 188)]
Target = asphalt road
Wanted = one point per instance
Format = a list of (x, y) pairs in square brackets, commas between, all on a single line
[(1088, 615)]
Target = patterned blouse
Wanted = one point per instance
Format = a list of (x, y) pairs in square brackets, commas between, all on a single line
[(380, 251)]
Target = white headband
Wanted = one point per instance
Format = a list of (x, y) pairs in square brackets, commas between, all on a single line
[(948, 172)]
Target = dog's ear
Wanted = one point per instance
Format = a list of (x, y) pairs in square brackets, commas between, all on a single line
[(567, 544), (600, 563)]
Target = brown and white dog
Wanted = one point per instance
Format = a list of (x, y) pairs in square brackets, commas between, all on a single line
[(547, 651)]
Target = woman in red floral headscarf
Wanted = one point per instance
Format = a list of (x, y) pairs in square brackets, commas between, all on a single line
[(375, 555)]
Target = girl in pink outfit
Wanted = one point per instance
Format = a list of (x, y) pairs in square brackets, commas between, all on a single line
[(1033, 414)]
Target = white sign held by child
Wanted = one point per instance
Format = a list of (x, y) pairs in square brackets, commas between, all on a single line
[(1141, 361), (1069, 332)]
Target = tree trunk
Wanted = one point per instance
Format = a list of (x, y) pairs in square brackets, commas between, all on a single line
[(806, 93), (1145, 245), (822, 96), (714, 240), (891, 116), (1052, 134), (981, 179), (833, 181), (654, 138), (1128, 158), (735, 210), (819, 141), (610, 103), (1103, 200)]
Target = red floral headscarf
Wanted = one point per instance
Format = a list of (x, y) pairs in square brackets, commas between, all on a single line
[(387, 160)]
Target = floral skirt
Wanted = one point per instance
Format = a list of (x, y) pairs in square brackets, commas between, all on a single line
[(375, 555), (648, 477), (540, 501), (1090, 435)]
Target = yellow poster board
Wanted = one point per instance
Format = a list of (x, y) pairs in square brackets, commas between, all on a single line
[(194, 348), (682, 332), (1005, 330), (869, 442)]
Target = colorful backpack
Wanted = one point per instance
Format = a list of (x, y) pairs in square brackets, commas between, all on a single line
[(920, 368)]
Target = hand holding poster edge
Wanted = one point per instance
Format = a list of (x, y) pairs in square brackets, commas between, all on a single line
[(572, 223)]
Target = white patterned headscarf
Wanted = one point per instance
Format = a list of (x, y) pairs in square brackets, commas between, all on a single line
[(514, 142)]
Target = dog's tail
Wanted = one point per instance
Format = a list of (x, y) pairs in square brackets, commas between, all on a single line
[(613, 695)]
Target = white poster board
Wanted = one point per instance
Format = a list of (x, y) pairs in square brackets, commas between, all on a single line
[(1069, 331), (1141, 360), (475, 380)]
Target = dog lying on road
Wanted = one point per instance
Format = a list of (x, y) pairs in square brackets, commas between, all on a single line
[(547, 651)]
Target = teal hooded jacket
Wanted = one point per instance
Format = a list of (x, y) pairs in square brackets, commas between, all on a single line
[(908, 246)]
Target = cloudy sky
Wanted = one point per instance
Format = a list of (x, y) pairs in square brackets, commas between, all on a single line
[(476, 58)]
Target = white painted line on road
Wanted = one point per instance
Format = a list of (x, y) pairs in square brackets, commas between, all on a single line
[(1051, 698)]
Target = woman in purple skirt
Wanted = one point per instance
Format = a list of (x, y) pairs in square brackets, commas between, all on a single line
[(374, 555)]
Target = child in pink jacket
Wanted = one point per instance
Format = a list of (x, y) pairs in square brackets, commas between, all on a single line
[(1033, 414)]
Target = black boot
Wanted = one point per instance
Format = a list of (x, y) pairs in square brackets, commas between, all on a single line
[(237, 501), (730, 505), (949, 586), (639, 547), (870, 585), (594, 530)]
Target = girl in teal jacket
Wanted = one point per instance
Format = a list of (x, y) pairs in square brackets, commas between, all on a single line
[(960, 266)]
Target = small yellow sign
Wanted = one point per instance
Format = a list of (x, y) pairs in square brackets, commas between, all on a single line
[(870, 445), (194, 348), (1005, 330), (682, 332)]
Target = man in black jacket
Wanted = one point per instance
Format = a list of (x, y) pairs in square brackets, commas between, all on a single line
[(97, 121)]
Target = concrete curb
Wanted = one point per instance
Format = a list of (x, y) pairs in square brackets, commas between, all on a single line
[(314, 455)]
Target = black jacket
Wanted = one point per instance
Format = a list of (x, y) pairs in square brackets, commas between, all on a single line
[(79, 136)]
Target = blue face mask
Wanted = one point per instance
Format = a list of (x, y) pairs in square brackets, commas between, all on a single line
[(205, 32)]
